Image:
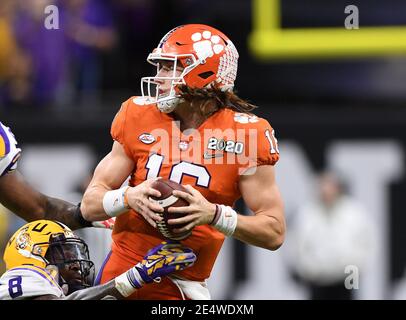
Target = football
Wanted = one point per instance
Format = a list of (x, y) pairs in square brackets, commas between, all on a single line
[(167, 200)]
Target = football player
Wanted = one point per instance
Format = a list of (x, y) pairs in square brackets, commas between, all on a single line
[(46, 261), (189, 127), (19, 197)]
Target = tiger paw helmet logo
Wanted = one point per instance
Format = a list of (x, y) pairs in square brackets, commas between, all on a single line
[(206, 45), (245, 118)]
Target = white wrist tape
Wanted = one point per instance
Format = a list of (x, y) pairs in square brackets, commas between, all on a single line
[(226, 221), (115, 202), (124, 286), (128, 282)]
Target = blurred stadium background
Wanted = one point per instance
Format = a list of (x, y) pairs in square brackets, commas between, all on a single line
[(342, 108)]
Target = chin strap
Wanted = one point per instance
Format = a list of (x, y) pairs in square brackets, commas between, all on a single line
[(168, 106)]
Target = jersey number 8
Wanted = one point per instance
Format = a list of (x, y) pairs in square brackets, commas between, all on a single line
[(14, 287)]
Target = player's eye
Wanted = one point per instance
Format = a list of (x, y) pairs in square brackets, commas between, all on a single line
[(165, 66)]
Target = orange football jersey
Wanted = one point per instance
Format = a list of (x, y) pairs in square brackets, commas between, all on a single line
[(210, 158)]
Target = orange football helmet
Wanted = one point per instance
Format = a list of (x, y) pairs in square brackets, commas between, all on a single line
[(206, 56)]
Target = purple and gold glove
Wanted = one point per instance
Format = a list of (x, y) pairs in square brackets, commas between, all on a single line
[(161, 261), (158, 262)]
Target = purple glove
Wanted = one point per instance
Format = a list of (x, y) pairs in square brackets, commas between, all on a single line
[(161, 261)]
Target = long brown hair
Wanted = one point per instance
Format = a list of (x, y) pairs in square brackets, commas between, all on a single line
[(223, 99)]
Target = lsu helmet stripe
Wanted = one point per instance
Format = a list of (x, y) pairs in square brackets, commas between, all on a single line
[(4, 142)]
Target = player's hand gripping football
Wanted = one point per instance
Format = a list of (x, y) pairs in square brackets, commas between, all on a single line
[(138, 199), (160, 261), (200, 211)]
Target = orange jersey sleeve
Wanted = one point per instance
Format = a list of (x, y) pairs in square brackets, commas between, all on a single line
[(268, 151), (119, 126), (261, 146)]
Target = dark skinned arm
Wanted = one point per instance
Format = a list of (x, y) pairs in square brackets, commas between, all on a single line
[(93, 293), (18, 196)]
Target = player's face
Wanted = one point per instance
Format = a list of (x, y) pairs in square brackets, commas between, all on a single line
[(73, 263), (72, 274), (166, 69)]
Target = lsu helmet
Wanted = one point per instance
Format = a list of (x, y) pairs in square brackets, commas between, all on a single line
[(206, 55), (43, 243)]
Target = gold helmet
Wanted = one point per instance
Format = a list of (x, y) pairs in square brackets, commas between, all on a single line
[(43, 242)]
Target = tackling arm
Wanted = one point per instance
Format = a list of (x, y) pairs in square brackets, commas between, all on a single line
[(19, 197), (266, 228), (93, 293)]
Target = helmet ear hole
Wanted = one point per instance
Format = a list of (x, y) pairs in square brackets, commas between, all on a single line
[(205, 75)]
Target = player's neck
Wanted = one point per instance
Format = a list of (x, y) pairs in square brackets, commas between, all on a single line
[(193, 115)]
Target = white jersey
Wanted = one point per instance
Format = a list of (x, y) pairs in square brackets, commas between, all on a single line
[(28, 282), (9, 152)]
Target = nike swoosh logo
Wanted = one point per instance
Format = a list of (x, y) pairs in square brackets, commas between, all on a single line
[(208, 155), (150, 264)]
